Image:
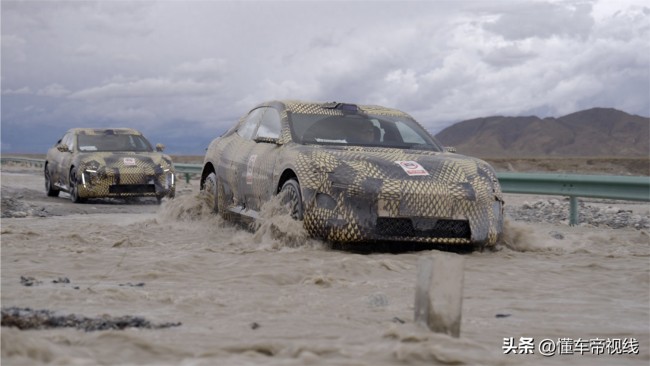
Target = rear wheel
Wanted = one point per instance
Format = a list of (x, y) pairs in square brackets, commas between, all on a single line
[(292, 198), (210, 192), (49, 187), (74, 191)]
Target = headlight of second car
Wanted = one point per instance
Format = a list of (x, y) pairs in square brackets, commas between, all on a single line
[(89, 172), (91, 166), (168, 173)]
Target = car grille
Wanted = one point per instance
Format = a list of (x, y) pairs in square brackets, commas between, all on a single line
[(434, 228), (132, 188)]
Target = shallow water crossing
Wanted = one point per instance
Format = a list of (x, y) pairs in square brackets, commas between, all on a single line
[(273, 296)]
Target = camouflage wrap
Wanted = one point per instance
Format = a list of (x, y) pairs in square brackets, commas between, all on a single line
[(361, 194), (110, 173), (107, 175)]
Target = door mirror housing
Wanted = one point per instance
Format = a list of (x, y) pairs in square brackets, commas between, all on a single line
[(160, 147), (63, 148)]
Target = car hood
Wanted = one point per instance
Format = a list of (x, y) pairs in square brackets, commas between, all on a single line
[(400, 164)]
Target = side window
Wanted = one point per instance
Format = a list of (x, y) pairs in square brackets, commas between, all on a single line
[(270, 125), (68, 140), (72, 141), (408, 134), (247, 129)]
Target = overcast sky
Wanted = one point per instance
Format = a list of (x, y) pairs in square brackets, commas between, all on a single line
[(182, 72)]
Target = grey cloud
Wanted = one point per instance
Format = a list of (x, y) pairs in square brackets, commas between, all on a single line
[(53, 90), (542, 19), (507, 56), (205, 69), (205, 63), (23, 90), (625, 26), (13, 48), (118, 18), (87, 50), (147, 88)]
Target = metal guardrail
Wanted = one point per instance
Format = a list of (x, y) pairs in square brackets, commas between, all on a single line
[(632, 188), (188, 169), (25, 161)]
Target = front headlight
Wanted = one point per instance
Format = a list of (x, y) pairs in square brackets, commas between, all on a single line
[(339, 182), (91, 166), (89, 172), (170, 177), (486, 171)]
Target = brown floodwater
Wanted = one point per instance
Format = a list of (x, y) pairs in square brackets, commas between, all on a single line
[(273, 296)]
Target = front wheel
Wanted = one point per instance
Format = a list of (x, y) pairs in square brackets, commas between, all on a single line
[(171, 194), (49, 187), (74, 191), (210, 192), (292, 198)]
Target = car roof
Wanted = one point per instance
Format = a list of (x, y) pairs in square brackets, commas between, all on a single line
[(104, 131), (301, 106)]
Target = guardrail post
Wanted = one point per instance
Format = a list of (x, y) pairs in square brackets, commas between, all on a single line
[(187, 178), (439, 293), (573, 210)]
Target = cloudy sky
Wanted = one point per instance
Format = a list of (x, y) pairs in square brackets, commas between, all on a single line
[(182, 72)]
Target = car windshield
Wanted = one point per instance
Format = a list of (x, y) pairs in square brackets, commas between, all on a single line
[(361, 130), (115, 142)]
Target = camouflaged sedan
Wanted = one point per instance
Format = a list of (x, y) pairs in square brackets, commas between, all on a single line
[(114, 162), (353, 173)]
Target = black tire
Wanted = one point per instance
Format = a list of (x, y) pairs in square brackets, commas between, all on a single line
[(210, 192), (74, 193), (49, 187), (293, 198), (171, 194)]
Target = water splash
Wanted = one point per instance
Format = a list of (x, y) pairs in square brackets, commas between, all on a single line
[(274, 230), (523, 237), (277, 227), (189, 207)]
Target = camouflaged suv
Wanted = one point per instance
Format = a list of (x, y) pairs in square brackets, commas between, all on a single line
[(353, 173), (112, 162)]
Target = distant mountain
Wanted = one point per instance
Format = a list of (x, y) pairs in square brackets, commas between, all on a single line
[(592, 132)]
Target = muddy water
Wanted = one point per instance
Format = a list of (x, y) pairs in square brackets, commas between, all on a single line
[(273, 296)]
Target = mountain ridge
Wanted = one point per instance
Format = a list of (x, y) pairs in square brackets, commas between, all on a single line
[(591, 132)]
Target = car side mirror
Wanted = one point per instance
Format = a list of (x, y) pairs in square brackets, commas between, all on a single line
[(63, 148), (450, 149), (270, 140), (160, 147)]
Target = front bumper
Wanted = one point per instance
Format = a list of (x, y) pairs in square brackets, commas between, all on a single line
[(426, 214), (120, 183)]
